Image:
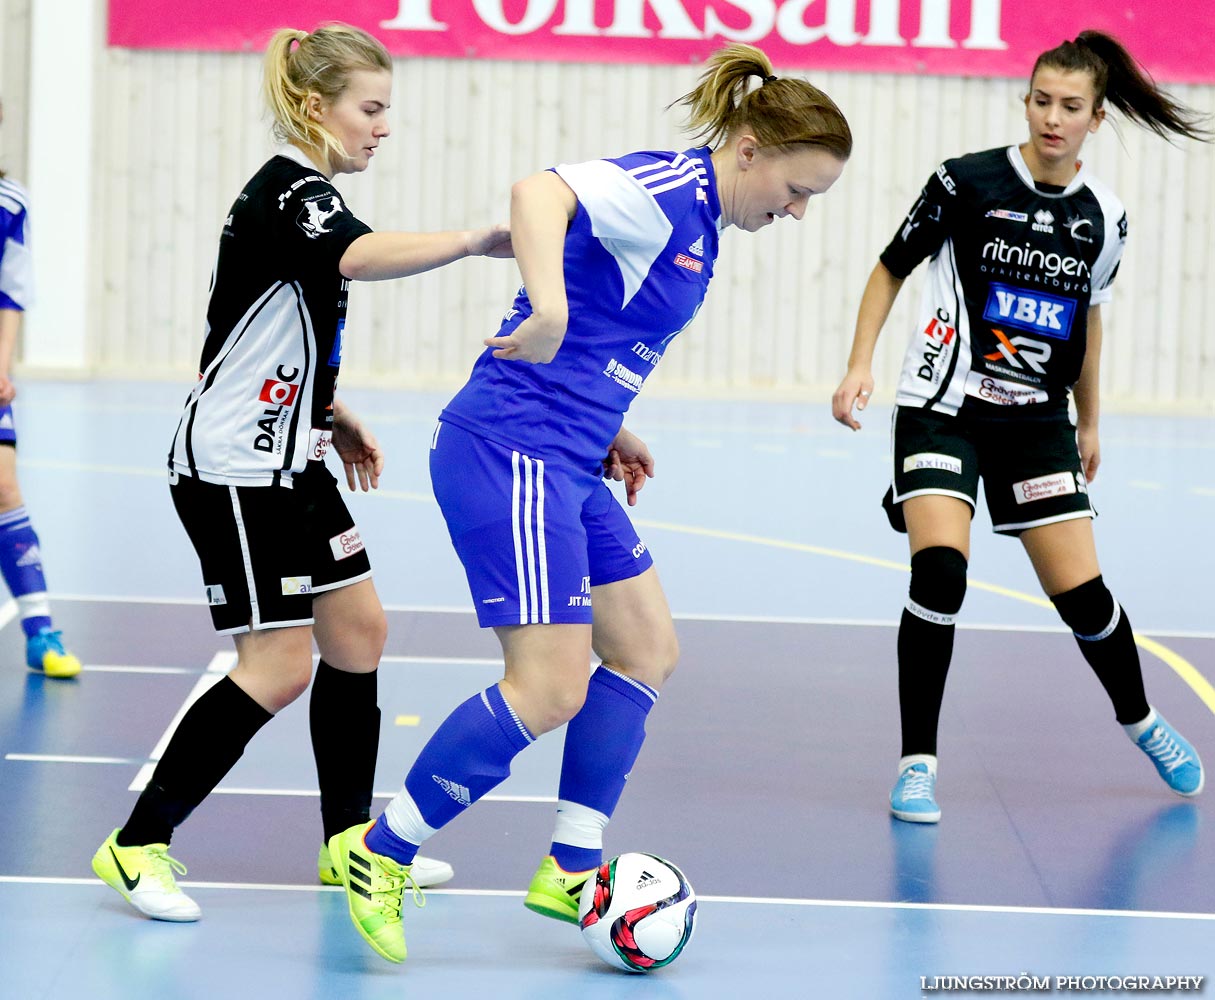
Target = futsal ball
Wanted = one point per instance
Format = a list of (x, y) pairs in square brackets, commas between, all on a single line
[(637, 912)]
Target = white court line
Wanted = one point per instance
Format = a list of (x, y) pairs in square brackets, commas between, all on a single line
[(51, 758), (219, 666), (118, 668), (476, 661), (1044, 911), (691, 616), (315, 793), (8, 611), (48, 758)]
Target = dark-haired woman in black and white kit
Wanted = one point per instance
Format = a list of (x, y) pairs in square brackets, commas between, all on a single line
[(1024, 245), (282, 560)]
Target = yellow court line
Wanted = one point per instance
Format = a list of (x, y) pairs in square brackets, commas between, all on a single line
[(1181, 666), (1174, 660)]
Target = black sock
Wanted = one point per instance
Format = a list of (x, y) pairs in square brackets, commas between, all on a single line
[(345, 724), (1107, 642), (925, 645), (208, 741)]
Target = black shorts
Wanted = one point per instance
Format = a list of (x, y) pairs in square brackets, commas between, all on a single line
[(266, 550), (1030, 467)]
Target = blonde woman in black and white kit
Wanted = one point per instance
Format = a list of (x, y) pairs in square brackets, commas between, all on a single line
[(1024, 245), (282, 561)]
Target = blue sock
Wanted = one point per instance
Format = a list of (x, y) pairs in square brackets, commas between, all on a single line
[(21, 566), (469, 755), (601, 745)]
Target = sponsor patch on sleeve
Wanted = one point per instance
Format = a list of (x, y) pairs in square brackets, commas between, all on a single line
[(346, 544), (1057, 484), (318, 444)]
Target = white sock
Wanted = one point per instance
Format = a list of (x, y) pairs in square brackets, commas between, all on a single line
[(919, 758), (1137, 729), (579, 826)]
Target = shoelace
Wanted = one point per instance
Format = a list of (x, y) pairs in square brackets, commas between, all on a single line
[(1162, 748), (162, 867), (393, 892), (54, 641), (917, 784)]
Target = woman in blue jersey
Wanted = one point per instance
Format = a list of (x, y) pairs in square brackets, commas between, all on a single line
[(616, 256), (282, 561), (20, 553), (1025, 244)]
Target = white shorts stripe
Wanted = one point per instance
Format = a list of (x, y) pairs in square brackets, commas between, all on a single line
[(518, 538), (543, 554), (254, 611), (533, 616)]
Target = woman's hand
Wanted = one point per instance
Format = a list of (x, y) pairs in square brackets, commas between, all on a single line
[(629, 461), (357, 448), (855, 390)]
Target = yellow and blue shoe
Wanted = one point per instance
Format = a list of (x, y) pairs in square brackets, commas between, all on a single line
[(375, 889), (554, 892), (143, 876), (427, 872), (44, 653)]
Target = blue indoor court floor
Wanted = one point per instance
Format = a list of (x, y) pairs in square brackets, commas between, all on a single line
[(766, 772)]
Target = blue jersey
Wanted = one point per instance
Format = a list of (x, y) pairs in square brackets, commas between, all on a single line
[(639, 254), (16, 270)]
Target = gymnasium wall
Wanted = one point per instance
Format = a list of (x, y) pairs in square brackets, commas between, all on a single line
[(177, 134)]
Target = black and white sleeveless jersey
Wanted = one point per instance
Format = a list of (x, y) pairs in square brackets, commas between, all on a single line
[(263, 404), (1014, 270)]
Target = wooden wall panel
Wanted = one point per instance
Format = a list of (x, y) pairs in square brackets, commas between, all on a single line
[(178, 134)]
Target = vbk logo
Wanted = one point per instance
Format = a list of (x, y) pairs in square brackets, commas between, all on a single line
[(1020, 352), (1048, 315)]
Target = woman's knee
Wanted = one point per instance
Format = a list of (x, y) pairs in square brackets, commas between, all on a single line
[(354, 642), (652, 662)]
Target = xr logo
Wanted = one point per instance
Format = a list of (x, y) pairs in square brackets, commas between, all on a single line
[(1020, 352)]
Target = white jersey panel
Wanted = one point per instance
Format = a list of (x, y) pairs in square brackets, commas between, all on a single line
[(1106, 267), (16, 261), (625, 217), (237, 421)]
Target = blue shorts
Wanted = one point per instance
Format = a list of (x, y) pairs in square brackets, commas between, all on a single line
[(8, 429), (534, 535)]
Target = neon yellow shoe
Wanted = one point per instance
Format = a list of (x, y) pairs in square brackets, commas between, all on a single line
[(426, 871), (554, 892), (144, 878), (44, 653), (375, 887)]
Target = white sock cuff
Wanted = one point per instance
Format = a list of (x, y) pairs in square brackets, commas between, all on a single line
[(919, 758), (1137, 729), (405, 820), (579, 825)]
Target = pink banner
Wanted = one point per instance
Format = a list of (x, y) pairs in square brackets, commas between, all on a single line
[(946, 37)]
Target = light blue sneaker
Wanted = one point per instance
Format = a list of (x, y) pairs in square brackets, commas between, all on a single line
[(1176, 761), (45, 654), (912, 798)]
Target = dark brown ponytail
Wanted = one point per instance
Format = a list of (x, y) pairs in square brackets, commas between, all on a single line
[(1118, 76)]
